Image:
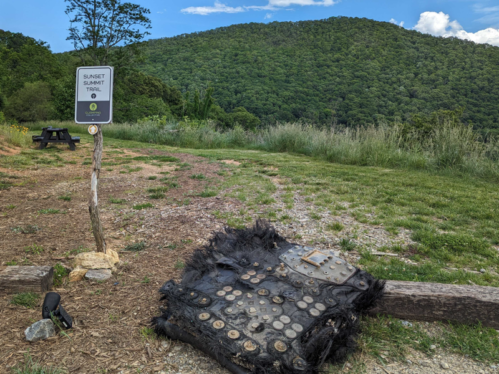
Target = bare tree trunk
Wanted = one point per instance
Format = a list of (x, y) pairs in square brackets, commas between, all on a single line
[(93, 206)]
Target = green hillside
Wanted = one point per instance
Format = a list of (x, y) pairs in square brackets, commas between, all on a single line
[(339, 70)]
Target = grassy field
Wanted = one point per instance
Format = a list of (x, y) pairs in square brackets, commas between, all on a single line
[(453, 218)]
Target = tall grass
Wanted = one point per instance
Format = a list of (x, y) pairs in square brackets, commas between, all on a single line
[(15, 135), (449, 148)]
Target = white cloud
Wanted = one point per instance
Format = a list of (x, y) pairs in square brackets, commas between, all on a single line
[(272, 5), (268, 16), (439, 24), (217, 8), (277, 4), (394, 21)]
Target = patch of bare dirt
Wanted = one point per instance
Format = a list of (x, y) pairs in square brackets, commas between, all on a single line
[(110, 318), (231, 162)]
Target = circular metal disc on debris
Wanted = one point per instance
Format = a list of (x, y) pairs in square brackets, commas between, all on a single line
[(290, 334), (261, 276), (233, 334), (302, 304), (203, 301), (251, 272), (245, 277), (320, 307), (256, 264), (204, 316), (250, 346), (230, 297), (314, 312), (237, 293), (263, 292), (221, 293), (297, 327), (219, 324), (227, 288), (308, 299), (280, 346), (299, 363), (285, 319), (278, 325), (255, 280), (277, 299)]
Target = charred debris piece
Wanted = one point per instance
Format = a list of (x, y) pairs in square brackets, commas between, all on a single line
[(259, 304)]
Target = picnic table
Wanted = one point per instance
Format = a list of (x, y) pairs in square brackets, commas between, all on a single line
[(56, 135)]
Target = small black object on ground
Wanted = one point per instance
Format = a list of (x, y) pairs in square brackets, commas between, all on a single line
[(50, 308), (56, 135)]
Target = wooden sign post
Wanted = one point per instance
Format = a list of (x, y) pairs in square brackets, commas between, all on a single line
[(94, 105)]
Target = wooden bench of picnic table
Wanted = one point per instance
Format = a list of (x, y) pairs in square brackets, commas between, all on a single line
[(56, 135)]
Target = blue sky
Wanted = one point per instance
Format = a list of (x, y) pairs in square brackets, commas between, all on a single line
[(476, 20)]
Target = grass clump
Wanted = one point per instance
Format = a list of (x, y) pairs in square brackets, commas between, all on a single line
[(198, 176), (31, 367), (152, 178), (60, 272), (113, 200), (208, 193), (336, 226), (26, 299), (28, 229), (34, 249), (179, 264), (65, 198), (136, 247), (143, 206), (347, 244)]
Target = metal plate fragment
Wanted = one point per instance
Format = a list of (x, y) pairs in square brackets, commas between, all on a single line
[(318, 264)]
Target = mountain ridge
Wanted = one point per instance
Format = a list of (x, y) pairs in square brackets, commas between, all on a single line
[(341, 70)]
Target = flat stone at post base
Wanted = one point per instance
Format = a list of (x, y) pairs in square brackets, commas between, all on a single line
[(40, 330), (99, 275)]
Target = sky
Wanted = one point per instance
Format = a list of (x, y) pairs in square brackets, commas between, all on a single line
[(476, 20)]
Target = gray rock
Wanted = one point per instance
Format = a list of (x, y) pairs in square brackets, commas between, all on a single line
[(406, 323), (425, 363), (482, 270), (40, 330), (493, 366), (99, 275), (433, 346), (444, 365)]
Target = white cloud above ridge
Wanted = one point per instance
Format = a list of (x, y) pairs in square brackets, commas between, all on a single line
[(219, 7), (439, 24), (394, 21)]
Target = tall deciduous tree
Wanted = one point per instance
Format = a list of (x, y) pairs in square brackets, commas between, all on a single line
[(99, 26)]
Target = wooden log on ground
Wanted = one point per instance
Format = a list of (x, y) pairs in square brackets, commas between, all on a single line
[(16, 279), (440, 302)]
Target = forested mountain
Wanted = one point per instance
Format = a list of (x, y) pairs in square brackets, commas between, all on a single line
[(339, 70), (36, 85)]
